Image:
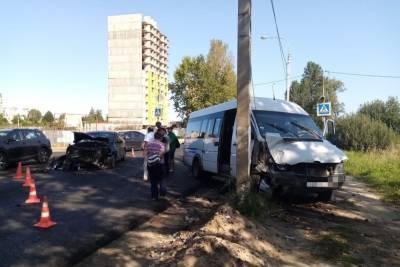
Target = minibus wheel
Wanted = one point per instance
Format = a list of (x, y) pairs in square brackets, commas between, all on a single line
[(196, 169), (325, 196), (277, 192)]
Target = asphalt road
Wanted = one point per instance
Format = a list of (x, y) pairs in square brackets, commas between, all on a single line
[(91, 209)]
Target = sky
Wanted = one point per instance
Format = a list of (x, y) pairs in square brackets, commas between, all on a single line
[(53, 54)]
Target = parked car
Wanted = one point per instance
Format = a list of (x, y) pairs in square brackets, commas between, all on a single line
[(133, 139), (289, 152), (100, 148), (23, 144)]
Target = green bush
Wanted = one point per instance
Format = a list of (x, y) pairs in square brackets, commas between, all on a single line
[(361, 133), (387, 112)]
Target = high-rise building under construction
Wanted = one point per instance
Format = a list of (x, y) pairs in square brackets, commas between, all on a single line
[(137, 71)]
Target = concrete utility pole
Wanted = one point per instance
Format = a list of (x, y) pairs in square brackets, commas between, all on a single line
[(288, 73), (323, 85), (243, 97)]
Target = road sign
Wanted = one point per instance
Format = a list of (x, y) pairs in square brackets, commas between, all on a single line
[(324, 109), (157, 112)]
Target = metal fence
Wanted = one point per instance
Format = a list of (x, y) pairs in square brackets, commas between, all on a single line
[(61, 138)]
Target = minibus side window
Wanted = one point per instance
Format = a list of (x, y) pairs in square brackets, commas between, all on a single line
[(210, 128), (193, 129), (217, 127), (204, 126)]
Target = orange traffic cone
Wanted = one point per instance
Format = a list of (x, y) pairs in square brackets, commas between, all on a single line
[(45, 220), (18, 174), (133, 152), (28, 177), (32, 199)]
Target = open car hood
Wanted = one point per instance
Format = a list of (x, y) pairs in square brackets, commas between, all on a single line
[(78, 136), (304, 151)]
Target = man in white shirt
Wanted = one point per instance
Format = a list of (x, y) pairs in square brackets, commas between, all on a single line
[(149, 135)]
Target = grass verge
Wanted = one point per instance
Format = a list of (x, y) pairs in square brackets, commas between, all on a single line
[(380, 169)]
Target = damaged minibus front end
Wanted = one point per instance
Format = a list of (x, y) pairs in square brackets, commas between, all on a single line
[(291, 155)]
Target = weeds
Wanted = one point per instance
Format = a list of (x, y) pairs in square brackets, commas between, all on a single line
[(380, 169), (256, 205)]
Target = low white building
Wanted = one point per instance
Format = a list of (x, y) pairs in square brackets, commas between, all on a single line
[(73, 120)]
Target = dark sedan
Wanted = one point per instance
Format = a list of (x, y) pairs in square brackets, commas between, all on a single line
[(23, 144), (100, 148), (133, 139)]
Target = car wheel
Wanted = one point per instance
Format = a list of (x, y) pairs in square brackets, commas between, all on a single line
[(67, 165), (3, 161), (325, 196), (43, 155), (112, 162)]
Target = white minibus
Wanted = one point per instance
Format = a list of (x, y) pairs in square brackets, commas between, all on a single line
[(289, 152)]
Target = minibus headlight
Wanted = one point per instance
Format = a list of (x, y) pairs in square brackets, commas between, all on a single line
[(339, 168)]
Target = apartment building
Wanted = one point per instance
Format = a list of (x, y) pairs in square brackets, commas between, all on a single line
[(137, 71)]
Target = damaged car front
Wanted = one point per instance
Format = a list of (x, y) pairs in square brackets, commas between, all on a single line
[(293, 156), (89, 150)]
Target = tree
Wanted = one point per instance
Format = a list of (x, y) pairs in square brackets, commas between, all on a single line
[(15, 119), (62, 117), (99, 116), (387, 112), (202, 81), (221, 74), (308, 91), (61, 121), (94, 116), (34, 116), (48, 117), (3, 120)]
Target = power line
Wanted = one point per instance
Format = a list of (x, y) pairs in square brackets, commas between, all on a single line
[(336, 72), (277, 81), (364, 75), (279, 38)]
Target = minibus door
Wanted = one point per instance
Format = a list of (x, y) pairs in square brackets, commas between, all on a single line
[(234, 147), (233, 152), (211, 144)]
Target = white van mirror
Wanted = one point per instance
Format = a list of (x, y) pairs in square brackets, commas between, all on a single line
[(330, 130)]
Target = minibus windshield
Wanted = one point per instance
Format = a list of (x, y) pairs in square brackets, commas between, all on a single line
[(294, 127)]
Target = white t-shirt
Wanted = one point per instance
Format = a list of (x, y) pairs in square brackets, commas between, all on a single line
[(149, 137)]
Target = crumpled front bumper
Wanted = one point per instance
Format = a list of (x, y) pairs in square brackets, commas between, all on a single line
[(310, 177), (95, 157)]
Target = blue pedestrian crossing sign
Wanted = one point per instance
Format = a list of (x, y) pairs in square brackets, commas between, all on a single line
[(157, 112), (324, 109)]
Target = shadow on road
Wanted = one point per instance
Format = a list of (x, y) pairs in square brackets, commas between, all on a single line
[(91, 209)]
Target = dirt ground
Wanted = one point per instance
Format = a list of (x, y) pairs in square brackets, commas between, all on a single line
[(355, 229)]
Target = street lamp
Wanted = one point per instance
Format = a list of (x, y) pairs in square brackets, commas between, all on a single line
[(288, 62)]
